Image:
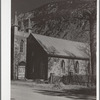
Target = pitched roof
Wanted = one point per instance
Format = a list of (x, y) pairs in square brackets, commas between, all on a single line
[(62, 48)]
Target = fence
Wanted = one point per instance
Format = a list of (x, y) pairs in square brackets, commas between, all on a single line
[(79, 80), (75, 79)]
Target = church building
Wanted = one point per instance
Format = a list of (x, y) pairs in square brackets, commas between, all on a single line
[(35, 56)]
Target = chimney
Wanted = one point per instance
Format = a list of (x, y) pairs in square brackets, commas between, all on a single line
[(29, 26), (15, 24)]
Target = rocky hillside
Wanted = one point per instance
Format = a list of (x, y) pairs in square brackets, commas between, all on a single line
[(56, 19)]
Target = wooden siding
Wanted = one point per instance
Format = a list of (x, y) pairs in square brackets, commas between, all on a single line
[(37, 64)]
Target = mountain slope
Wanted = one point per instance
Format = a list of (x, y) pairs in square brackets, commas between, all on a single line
[(55, 19)]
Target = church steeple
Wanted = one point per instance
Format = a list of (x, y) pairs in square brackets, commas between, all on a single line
[(15, 23), (29, 26), (16, 20), (22, 26)]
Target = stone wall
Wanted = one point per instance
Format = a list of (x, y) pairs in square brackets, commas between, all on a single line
[(60, 66), (18, 55)]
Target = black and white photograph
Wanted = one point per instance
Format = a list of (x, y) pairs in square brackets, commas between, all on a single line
[(53, 50)]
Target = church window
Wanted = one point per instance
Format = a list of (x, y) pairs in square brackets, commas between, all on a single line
[(88, 68), (21, 45), (76, 67), (63, 66), (19, 24)]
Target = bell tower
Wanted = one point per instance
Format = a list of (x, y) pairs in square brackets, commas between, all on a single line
[(14, 31)]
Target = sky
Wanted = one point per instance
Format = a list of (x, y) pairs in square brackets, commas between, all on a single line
[(26, 5)]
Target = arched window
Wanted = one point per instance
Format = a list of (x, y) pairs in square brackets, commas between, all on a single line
[(19, 24), (21, 45), (88, 68), (76, 67), (63, 66)]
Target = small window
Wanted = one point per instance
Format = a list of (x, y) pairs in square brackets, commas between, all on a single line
[(26, 30), (88, 68), (76, 67), (21, 45), (19, 24), (63, 66)]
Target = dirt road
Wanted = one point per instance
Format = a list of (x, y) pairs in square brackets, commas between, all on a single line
[(24, 92)]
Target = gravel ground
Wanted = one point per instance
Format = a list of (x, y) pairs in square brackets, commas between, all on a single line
[(74, 92)]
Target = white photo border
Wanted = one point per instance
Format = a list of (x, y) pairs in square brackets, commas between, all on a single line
[(6, 49)]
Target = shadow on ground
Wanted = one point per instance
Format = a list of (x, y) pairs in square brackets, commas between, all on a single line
[(80, 94)]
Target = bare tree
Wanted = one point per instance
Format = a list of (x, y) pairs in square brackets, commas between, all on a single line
[(87, 11)]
